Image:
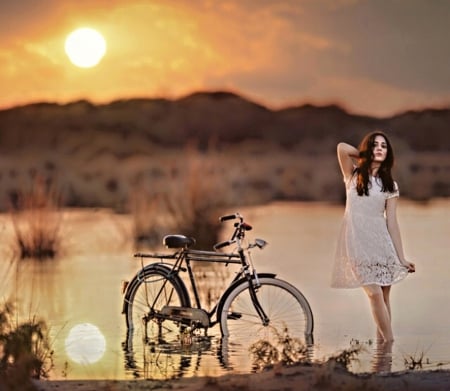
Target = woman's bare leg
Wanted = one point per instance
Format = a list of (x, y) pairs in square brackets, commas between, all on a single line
[(380, 311), (386, 291)]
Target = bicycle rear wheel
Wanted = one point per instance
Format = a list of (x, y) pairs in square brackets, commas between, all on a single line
[(149, 292), (288, 311)]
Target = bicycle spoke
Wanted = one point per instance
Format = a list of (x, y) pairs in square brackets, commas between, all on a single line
[(149, 296), (282, 304)]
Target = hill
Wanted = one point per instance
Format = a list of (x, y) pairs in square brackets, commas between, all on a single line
[(222, 116), (89, 147)]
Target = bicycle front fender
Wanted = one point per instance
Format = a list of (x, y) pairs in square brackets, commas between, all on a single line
[(234, 285)]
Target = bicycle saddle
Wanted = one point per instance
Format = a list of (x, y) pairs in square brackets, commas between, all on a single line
[(178, 241)]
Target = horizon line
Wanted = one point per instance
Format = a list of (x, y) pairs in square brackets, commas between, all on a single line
[(273, 108)]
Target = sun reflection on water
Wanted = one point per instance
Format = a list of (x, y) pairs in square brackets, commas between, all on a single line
[(85, 344)]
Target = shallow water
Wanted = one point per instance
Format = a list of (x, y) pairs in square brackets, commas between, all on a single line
[(79, 295)]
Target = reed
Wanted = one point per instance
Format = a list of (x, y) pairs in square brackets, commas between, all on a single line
[(37, 222)]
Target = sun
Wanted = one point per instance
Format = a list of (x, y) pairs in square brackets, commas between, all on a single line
[(85, 47)]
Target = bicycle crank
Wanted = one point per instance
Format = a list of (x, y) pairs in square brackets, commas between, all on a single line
[(186, 315)]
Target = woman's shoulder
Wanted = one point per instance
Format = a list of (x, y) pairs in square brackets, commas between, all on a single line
[(395, 193)]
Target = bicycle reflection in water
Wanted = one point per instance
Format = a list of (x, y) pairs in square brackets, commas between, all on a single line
[(165, 362), (254, 307)]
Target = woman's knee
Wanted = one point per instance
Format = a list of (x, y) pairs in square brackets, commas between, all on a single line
[(386, 291), (374, 292)]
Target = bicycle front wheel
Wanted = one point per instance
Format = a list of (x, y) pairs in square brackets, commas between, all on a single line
[(153, 290), (287, 309)]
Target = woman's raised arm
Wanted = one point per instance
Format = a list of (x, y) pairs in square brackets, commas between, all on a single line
[(347, 155)]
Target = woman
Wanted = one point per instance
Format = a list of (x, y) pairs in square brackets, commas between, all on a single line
[(369, 251)]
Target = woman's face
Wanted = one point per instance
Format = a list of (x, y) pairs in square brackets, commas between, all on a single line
[(379, 149)]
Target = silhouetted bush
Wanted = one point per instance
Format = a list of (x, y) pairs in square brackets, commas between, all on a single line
[(25, 352)]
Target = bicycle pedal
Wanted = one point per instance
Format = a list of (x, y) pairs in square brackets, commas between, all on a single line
[(234, 316)]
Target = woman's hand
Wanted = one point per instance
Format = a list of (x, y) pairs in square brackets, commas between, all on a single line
[(410, 266)]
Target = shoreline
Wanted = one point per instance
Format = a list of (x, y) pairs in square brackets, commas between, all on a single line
[(327, 376)]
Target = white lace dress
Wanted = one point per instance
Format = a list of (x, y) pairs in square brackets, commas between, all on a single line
[(365, 253)]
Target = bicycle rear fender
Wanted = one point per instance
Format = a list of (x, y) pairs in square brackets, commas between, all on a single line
[(142, 273), (235, 284)]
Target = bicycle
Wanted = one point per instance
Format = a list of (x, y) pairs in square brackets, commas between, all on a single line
[(255, 306)]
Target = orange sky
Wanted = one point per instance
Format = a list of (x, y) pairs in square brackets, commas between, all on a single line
[(374, 57)]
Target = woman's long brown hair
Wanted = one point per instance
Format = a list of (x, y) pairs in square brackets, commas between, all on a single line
[(365, 160)]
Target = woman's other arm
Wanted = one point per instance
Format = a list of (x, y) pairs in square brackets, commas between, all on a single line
[(347, 155), (394, 231)]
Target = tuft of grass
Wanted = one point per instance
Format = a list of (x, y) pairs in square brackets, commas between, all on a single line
[(345, 357), (25, 352), (37, 222), (293, 350), (264, 355), (413, 362), (416, 360), (286, 350)]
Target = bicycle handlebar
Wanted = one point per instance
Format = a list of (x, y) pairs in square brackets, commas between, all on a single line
[(229, 217), (239, 230), (240, 225), (245, 226), (223, 244)]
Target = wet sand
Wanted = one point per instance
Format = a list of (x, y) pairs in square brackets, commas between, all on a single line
[(328, 376)]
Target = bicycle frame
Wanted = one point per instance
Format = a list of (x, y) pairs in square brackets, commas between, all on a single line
[(186, 256)]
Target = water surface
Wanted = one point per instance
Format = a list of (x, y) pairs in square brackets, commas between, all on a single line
[(79, 295)]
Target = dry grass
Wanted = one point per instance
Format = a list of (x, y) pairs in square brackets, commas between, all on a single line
[(37, 222), (345, 357), (414, 361), (211, 279), (286, 351), (186, 202), (148, 216), (196, 195)]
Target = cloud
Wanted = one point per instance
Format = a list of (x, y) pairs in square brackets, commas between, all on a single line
[(393, 42), (276, 50)]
